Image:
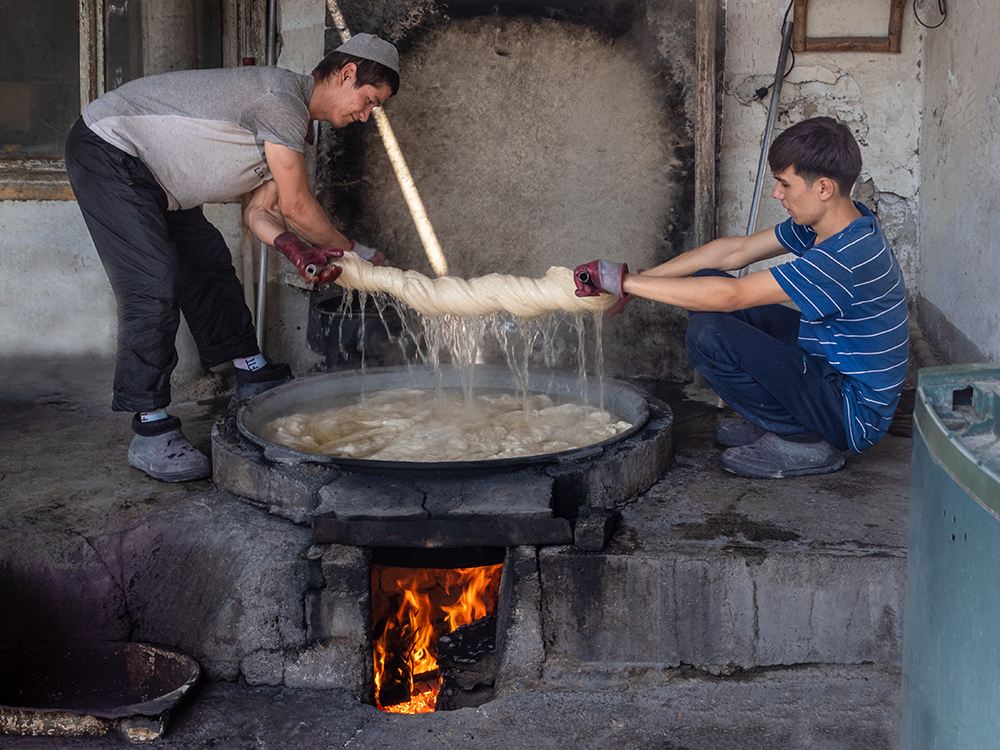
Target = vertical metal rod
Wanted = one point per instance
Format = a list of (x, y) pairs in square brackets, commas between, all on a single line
[(261, 295), (272, 59), (272, 32), (772, 111)]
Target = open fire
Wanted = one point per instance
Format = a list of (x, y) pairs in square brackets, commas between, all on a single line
[(412, 608)]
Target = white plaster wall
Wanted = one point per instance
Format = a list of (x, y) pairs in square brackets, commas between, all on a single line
[(55, 299), (54, 296), (302, 31), (960, 152), (878, 95)]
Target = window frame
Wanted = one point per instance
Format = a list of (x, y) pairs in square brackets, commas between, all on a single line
[(889, 43), (44, 178)]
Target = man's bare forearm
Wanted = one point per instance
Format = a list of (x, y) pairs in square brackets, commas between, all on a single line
[(266, 219), (262, 216), (297, 205), (723, 254), (307, 219), (707, 293)]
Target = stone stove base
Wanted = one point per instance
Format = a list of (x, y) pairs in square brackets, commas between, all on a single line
[(539, 503)]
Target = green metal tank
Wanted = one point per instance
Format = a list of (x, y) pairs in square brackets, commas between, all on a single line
[(951, 630)]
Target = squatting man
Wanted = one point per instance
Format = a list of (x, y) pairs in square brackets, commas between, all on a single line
[(144, 158), (808, 383)]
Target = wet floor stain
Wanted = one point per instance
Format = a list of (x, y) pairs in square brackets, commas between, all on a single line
[(733, 525)]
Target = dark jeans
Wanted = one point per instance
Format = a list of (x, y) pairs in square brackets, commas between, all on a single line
[(160, 263), (753, 361)]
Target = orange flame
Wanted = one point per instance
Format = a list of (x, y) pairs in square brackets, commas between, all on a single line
[(433, 602)]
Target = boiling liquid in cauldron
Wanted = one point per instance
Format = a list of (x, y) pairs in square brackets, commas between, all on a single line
[(432, 426)]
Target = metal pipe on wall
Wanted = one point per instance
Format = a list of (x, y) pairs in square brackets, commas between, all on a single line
[(272, 59), (772, 112)]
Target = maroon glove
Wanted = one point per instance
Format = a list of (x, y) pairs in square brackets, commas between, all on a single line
[(313, 263), (599, 277), (602, 277)]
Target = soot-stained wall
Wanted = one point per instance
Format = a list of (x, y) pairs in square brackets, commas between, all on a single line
[(537, 135)]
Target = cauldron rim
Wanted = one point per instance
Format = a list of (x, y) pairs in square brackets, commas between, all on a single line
[(255, 413)]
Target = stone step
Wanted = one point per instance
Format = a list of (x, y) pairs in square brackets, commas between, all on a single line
[(727, 574), (722, 572), (721, 613), (821, 708)]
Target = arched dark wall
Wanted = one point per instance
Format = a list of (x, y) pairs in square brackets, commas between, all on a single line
[(537, 134)]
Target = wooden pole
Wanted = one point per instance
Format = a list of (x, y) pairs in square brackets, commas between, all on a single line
[(705, 121)]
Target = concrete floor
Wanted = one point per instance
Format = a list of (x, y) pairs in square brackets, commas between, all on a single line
[(63, 467)]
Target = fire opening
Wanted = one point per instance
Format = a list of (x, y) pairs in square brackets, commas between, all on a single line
[(434, 627)]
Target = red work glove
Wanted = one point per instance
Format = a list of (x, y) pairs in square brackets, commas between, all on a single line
[(313, 263), (602, 277), (373, 256)]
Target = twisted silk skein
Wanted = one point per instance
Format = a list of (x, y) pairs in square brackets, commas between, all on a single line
[(449, 295)]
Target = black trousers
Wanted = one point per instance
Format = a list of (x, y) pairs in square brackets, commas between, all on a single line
[(160, 263)]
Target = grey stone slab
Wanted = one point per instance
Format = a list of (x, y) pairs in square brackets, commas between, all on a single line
[(861, 509), (510, 495), (499, 510), (344, 602), (331, 664), (503, 532), (241, 467), (721, 612), (624, 469), (593, 527), (520, 649), (357, 497)]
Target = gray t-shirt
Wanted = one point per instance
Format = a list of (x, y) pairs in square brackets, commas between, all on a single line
[(202, 132)]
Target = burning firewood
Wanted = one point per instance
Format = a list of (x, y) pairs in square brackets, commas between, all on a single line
[(396, 682), (426, 611), (467, 660)]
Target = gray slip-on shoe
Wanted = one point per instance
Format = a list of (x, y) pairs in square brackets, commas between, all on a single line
[(168, 455), (770, 457), (250, 383), (734, 432)]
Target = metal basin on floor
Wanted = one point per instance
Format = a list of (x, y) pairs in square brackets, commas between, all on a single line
[(87, 688)]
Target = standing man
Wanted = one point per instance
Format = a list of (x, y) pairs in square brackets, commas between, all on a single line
[(809, 383), (142, 160)]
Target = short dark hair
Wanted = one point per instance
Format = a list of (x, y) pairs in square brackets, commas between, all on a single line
[(818, 147), (370, 73)]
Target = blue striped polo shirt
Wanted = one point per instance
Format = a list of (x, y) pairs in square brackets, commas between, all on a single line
[(850, 291)]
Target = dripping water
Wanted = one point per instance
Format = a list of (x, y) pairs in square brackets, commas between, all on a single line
[(461, 341)]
